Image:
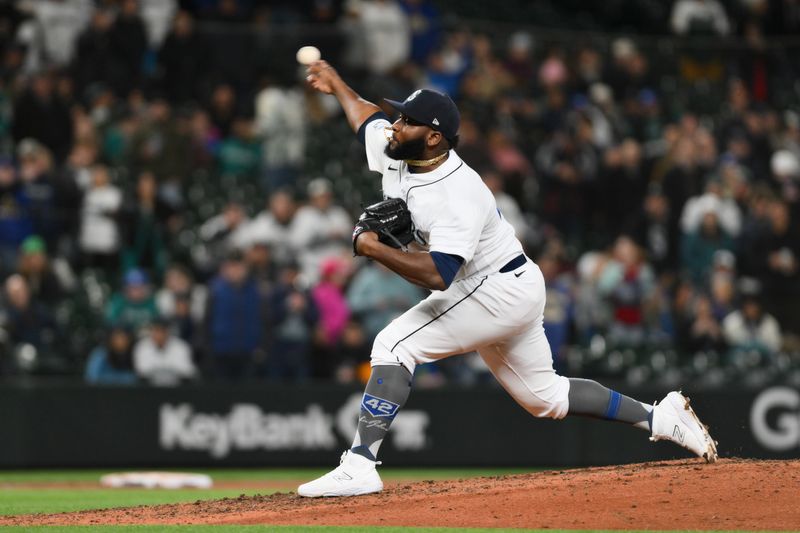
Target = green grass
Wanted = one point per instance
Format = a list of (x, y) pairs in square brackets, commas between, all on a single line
[(252, 474), (27, 499)]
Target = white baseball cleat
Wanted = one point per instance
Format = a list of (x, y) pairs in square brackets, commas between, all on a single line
[(674, 420), (355, 475)]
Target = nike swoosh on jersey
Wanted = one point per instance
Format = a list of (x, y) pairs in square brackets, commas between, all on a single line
[(521, 273)]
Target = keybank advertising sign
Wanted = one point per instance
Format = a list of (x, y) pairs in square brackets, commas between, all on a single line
[(775, 419), (248, 427), (78, 426)]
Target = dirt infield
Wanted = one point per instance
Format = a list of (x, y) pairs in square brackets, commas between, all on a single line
[(732, 494)]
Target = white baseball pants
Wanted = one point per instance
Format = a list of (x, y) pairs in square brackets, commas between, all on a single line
[(500, 316)]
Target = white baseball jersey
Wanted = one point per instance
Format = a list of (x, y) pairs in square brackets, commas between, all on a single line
[(452, 209), (498, 314)]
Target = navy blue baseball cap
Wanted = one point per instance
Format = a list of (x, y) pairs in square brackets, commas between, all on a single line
[(431, 108)]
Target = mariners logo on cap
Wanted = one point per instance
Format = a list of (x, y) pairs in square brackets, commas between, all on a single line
[(413, 95)]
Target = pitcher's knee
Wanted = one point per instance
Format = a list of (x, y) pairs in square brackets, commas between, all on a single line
[(382, 353), (551, 402)]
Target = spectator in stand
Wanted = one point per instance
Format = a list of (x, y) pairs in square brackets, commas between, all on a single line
[(134, 307), (53, 30), (183, 57), (223, 108), (715, 200), (130, 46), (644, 116), (99, 230), (222, 234), (426, 28), (699, 247), (592, 312), (785, 166), (27, 321), (621, 186), (444, 74), (559, 307), (162, 359), (281, 121), (178, 286), (15, 220), (160, 146), (205, 140), (51, 197), (629, 71), (334, 313), (320, 229), (352, 355), (49, 279), (722, 294), (750, 328), (41, 114), (682, 180), (508, 207), (506, 156), (232, 57), (117, 138), (473, 144), (627, 281), (111, 363), (78, 166), (589, 68), (95, 60), (519, 59), (292, 320), (705, 332), (566, 163), (182, 302), (235, 317), (376, 297), (772, 255), (157, 16), (239, 155), (699, 17), (387, 34), (272, 226), (258, 256), (145, 224)]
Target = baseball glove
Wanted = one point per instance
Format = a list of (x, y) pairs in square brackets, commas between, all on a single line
[(390, 219)]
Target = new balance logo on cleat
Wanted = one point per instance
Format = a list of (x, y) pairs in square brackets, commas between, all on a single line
[(674, 420), (343, 477)]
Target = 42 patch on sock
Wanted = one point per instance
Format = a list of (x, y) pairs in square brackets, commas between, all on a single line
[(378, 406)]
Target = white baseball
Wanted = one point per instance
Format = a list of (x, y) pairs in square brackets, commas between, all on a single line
[(308, 54)]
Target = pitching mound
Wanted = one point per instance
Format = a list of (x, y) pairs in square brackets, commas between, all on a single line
[(731, 494)]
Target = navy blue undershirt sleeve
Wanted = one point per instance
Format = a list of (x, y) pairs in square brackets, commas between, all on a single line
[(447, 265), (362, 130)]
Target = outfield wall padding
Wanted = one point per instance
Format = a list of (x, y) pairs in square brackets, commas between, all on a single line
[(268, 425)]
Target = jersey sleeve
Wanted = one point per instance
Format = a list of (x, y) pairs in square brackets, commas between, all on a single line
[(457, 231), (376, 137)]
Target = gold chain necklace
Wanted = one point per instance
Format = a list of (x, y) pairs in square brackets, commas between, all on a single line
[(425, 162)]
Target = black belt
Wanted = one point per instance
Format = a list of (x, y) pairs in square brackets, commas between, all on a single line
[(514, 263)]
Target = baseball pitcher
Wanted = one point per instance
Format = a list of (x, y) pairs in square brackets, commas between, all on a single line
[(486, 294)]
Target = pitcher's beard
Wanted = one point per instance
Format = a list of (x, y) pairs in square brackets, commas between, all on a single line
[(412, 149)]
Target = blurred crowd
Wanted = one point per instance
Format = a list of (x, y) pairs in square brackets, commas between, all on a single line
[(176, 205)]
